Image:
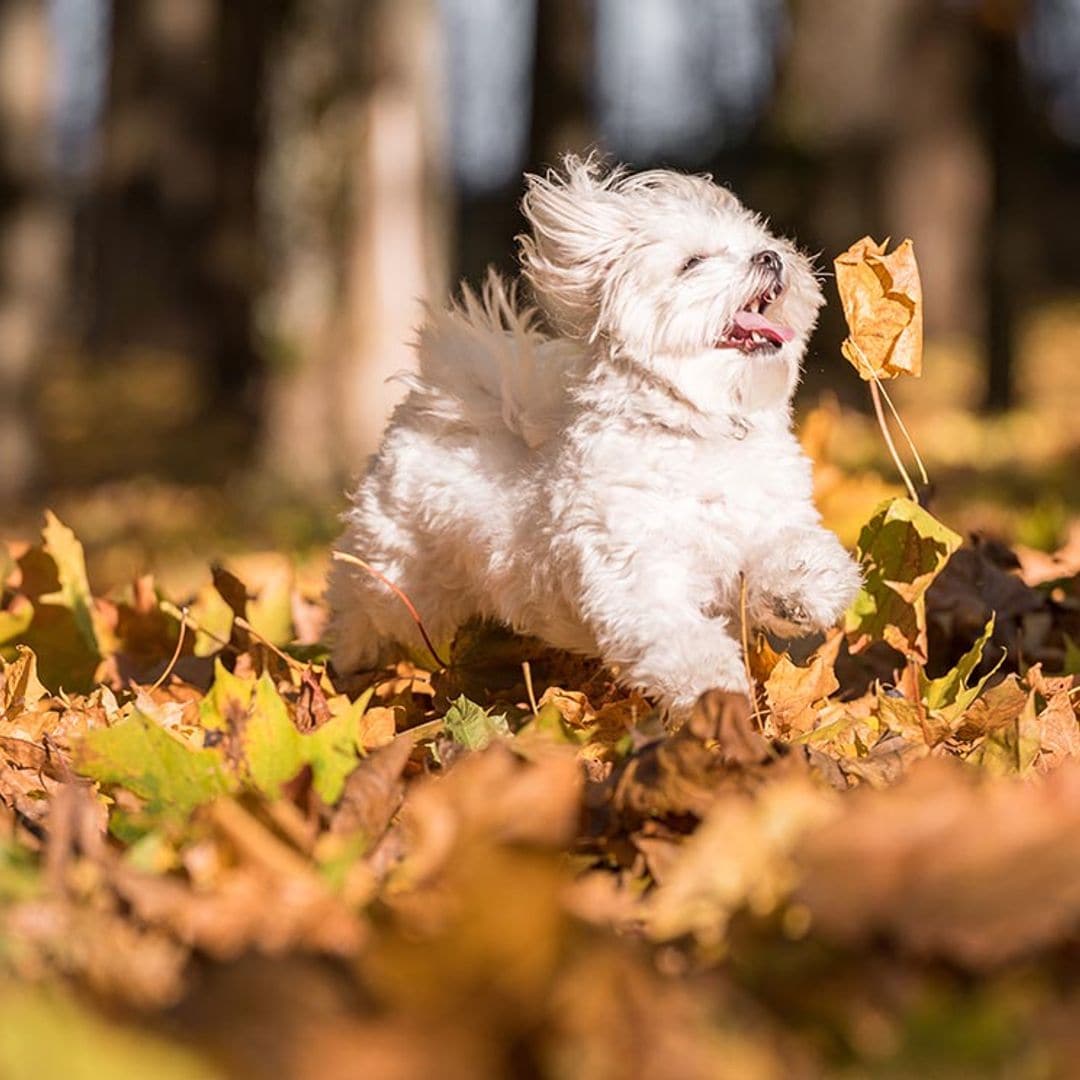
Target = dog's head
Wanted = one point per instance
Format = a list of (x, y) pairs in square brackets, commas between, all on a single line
[(675, 273)]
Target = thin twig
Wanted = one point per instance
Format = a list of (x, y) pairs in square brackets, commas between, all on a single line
[(525, 667), (744, 633), (160, 680), (875, 395), (877, 391), (171, 609), (344, 556), (903, 430), (295, 664)]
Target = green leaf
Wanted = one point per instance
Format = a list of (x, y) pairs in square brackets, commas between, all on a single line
[(53, 612), (1013, 748), (16, 619), (49, 1033), (226, 703), (214, 619), (950, 696), (270, 612), (473, 727), (74, 592), (275, 751), (902, 549), (953, 687), (1072, 657), (141, 756), (270, 740), (20, 876)]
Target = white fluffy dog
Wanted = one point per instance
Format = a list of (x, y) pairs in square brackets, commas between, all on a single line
[(604, 484)]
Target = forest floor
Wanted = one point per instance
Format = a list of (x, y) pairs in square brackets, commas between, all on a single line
[(218, 859)]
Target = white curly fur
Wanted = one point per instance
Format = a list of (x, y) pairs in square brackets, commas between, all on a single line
[(603, 486)]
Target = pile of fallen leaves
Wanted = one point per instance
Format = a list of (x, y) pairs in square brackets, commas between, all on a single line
[(218, 859)]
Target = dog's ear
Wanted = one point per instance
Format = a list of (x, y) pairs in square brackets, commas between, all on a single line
[(579, 224)]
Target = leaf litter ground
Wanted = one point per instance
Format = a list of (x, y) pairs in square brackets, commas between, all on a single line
[(217, 859)]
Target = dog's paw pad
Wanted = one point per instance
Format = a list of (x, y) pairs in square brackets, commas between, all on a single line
[(790, 610)]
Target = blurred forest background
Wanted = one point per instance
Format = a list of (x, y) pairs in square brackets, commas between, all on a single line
[(219, 220)]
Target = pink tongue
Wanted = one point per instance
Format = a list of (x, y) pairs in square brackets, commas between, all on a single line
[(751, 321)]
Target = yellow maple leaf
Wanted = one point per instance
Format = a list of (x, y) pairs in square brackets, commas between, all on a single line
[(882, 300)]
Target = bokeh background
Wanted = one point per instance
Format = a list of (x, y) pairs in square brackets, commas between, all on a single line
[(219, 220)]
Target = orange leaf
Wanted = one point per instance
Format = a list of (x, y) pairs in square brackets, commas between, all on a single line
[(793, 692), (882, 300)]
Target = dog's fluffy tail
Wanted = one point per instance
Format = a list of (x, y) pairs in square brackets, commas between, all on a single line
[(485, 365)]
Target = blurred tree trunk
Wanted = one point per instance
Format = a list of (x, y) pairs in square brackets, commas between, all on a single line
[(352, 207), (563, 54), (33, 233), (936, 173), (173, 222), (560, 122), (1014, 156), (883, 97)]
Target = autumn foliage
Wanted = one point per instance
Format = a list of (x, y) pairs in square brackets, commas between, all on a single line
[(220, 859)]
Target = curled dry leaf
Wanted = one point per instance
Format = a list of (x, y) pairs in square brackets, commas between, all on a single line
[(882, 300), (793, 691), (902, 549), (951, 864), (741, 855)]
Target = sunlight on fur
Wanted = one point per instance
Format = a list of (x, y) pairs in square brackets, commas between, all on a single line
[(599, 471)]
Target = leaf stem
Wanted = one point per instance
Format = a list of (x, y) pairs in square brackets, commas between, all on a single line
[(352, 560), (875, 394), (903, 430), (160, 680), (744, 633)]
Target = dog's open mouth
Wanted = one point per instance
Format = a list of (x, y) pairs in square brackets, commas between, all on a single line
[(753, 331)]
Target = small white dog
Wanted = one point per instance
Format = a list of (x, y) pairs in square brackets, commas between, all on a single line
[(605, 486)]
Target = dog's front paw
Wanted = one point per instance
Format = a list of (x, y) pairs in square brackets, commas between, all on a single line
[(809, 593), (789, 612)]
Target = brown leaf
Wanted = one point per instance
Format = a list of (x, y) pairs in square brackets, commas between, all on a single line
[(886, 763), (950, 863), (882, 300), (495, 795), (741, 855), (373, 791), (1039, 568), (763, 658), (376, 727), (312, 710), (1059, 737), (680, 775), (20, 687), (792, 691), (993, 709)]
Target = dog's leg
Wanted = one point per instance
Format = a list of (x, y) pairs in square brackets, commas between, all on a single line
[(683, 665), (649, 624), (800, 581)]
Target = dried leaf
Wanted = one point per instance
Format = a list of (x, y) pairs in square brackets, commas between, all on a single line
[(902, 549), (981, 872), (1059, 736), (21, 688), (740, 855), (792, 691), (882, 300)]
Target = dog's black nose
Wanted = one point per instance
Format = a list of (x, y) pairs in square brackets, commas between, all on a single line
[(770, 260)]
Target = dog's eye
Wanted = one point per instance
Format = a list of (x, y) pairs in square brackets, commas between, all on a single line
[(694, 260)]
